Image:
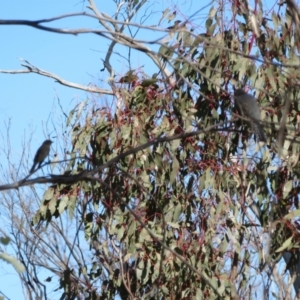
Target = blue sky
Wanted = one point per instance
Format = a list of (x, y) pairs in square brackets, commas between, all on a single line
[(29, 102), (28, 99)]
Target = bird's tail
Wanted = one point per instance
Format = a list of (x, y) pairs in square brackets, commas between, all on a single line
[(32, 169), (258, 130)]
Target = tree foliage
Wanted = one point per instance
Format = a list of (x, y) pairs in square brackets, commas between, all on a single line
[(176, 199)]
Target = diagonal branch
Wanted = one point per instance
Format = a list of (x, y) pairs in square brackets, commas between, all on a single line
[(32, 69), (89, 175)]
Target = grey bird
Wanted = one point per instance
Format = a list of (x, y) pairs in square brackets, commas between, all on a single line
[(41, 154), (247, 107)]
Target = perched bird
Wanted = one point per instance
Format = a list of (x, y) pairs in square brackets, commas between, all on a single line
[(175, 26), (247, 107), (41, 154)]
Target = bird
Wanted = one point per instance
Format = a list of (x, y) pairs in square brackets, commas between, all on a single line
[(41, 154), (247, 107)]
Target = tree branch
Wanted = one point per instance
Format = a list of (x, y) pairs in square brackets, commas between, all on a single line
[(89, 175)]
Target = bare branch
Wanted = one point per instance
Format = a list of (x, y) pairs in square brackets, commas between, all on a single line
[(88, 175), (32, 69)]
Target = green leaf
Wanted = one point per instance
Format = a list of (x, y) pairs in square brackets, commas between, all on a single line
[(132, 228), (285, 245), (173, 225), (177, 212), (144, 236), (293, 214), (13, 261), (63, 203), (271, 77), (48, 194), (175, 168), (71, 206), (52, 205), (287, 188), (5, 240)]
